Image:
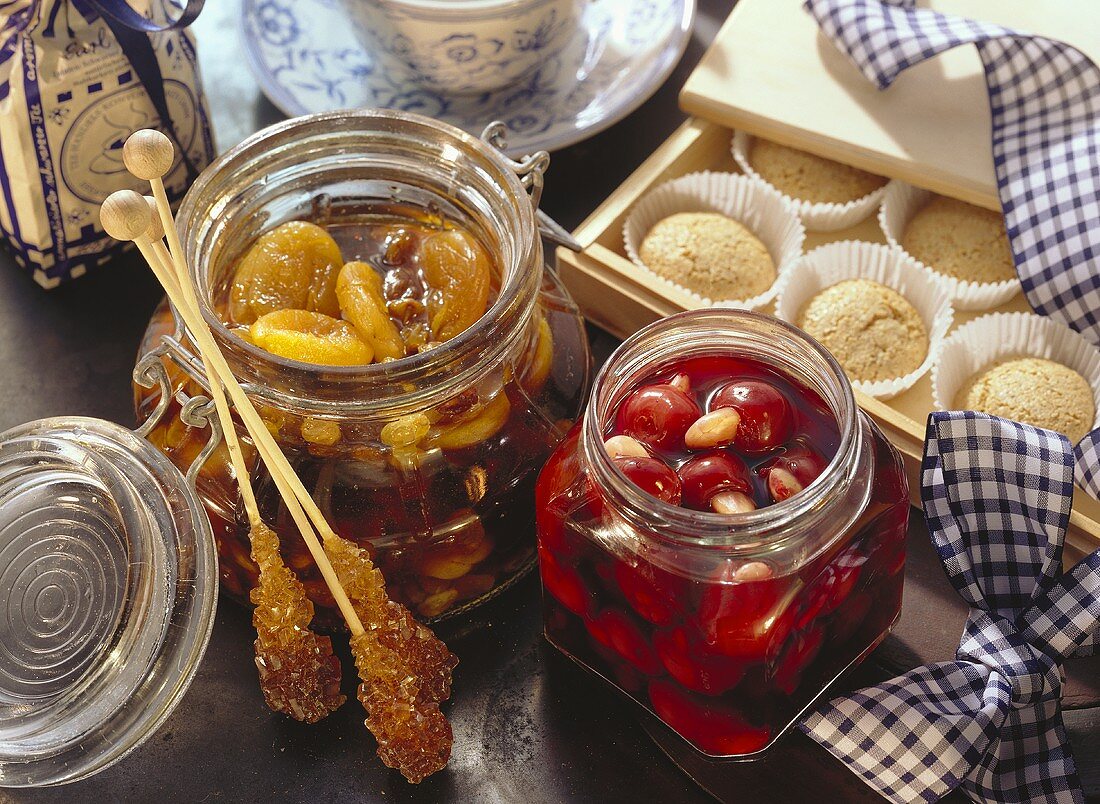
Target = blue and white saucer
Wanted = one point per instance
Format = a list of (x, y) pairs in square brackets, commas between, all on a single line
[(308, 59)]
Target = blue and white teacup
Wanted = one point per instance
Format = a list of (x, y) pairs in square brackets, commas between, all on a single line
[(464, 46)]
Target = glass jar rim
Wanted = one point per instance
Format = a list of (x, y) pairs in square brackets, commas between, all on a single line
[(767, 529), (513, 303)]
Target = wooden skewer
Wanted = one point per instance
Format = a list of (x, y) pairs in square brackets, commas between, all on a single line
[(126, 216), (170, 267), (148, 154)]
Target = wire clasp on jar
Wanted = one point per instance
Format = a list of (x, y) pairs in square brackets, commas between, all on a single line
[(531, 170), (195, 411)]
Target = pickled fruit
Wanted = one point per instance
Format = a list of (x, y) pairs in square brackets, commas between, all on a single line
[(310, 338), (359, 289), (658, 415), (294, 266), (726, 650), (737, 434), (457, 269)]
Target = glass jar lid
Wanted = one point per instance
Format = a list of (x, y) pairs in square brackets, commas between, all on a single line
[(108, 586)]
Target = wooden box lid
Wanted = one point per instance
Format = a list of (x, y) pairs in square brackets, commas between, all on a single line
[(771, 73)]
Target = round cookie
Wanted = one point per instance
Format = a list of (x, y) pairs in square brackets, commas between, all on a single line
[(874, 333), (960, 240), (812, 178), (709, 253), (1034, 391)]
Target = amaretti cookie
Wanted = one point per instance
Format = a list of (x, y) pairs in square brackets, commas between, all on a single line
[(960, 240), (1020, 366), (808, 177), (1035, 391), (874, 333), (879, 313), (709, 253), (709, 238), (962, 246)]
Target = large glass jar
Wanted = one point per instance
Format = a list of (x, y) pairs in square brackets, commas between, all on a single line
[(428, 461), (726, 626)]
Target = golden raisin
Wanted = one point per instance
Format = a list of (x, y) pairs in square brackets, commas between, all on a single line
[(457, 270), (311, 338), (359, 290), (293, 266)]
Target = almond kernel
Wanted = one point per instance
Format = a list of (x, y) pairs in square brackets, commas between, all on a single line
[(713, 429)]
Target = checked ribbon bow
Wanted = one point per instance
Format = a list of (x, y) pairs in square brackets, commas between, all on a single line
[(997, 497), (1044, 99)]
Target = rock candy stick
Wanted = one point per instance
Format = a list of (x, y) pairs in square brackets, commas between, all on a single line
[(299, 674), (405, 670), (125, 216)]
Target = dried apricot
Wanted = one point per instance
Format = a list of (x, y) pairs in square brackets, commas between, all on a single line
[(294, 266), (475, 429), (311, 338), (359, 290), (457, 270), (542, 358)]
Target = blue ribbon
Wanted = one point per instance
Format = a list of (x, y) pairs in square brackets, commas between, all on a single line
[(132, 31)]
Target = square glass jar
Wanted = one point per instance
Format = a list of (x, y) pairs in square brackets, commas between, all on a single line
[(727, 627)]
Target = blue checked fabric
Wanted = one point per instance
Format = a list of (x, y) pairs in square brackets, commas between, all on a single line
[(997, 498), (1045, 101)]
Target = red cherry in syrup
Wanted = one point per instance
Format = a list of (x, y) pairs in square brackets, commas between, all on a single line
[(657, 415), (653, 476), (766, 416), (716, 730), (685, 656), (798, 459), (800, 653), (563, 583), (708, 474), (618, 631), (651, 591), (737, 612)]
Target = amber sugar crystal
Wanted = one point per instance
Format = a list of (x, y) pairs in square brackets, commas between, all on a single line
[(299, 675), (405, 670)]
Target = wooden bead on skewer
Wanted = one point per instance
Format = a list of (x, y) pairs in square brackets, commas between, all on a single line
[(148, 154), (125, 216)]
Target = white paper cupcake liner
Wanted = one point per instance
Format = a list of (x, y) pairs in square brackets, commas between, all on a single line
[(827, 265), (762, 210), (817, 216), (976, 346), (899, 204)]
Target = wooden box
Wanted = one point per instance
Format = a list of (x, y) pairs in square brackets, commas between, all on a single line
[(615, 294)]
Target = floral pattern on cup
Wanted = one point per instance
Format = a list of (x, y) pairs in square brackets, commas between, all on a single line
[(465, 52), (308, 60)]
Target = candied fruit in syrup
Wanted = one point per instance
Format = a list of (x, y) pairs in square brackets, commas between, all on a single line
[(620, 632), (742, 649), (766, 419), (310, 338), (299, 674), (294, 266), (689, 660), (650, 590), (704, 476), (359, 290), (658, 415), (651, 475), (716, 730), (458, 272)]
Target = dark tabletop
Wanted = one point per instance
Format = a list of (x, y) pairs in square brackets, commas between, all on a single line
[(528, 725)]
